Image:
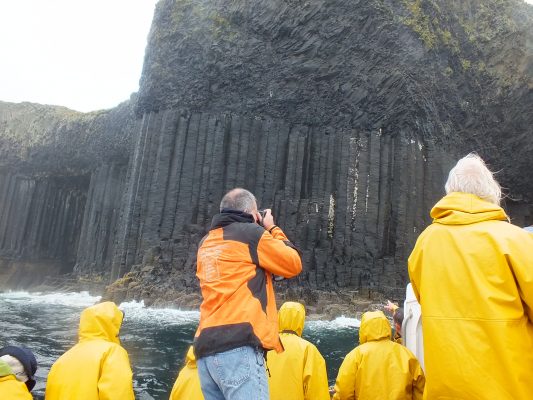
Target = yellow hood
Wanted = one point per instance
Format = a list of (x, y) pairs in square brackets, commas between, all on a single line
[(291, 317), (190, 359), (374, 326), (464, 208), (101, 321)]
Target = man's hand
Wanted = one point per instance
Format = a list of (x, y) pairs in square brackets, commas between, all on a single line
[(391, 307), (268, 220)]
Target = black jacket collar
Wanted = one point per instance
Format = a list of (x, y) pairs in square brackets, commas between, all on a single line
[(228, 216)]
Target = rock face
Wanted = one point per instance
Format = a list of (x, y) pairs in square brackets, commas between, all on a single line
[(61, 177), (352, 201), (41, 217), (343, 116), (444, 71)]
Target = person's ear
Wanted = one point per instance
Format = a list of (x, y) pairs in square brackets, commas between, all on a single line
[(257, 216)]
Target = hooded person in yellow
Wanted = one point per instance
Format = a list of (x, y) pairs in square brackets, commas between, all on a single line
[(299, 372), (472, 273), (379, 369), (17, 372), (97, 368), (10, 387), (187, 385)]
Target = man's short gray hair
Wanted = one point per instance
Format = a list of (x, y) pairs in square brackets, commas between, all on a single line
[(239, 199), (471, 175)]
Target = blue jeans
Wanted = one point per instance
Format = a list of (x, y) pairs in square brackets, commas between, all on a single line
[(236, 374)]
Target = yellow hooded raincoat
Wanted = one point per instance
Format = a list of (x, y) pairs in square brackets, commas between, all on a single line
[(299, 372), (472, 273), (10, 387), (378, 368), (97, 368), (187, 385)]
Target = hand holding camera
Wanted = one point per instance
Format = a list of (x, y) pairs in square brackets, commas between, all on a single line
[(267, 219)]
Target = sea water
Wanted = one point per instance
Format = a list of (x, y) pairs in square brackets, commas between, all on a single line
[(156, 339)]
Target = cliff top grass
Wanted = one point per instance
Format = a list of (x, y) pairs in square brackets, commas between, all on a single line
[(470, 30), (53, 138)]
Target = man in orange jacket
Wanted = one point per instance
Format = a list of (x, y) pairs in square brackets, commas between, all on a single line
[(238, 316)]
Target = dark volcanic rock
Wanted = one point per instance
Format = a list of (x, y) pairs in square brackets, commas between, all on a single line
[(457, 73), (51, 140), (344, 116), (41, 216), (352, 201), (61, 179)]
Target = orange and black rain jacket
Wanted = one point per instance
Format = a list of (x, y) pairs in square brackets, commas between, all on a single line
[(236, 260)]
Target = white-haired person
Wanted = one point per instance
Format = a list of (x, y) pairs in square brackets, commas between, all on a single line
[(17, 373), (472, 272)]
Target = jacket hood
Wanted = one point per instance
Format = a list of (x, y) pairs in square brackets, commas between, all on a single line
[(101, 321), (374, 326), (291, 317), (228, 216), (190, 359), (458, 208)]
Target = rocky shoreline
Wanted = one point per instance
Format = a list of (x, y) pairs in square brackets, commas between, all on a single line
[(320, 304)]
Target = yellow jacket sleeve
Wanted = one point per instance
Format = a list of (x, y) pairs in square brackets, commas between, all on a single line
[(521, 260), (11, 389), (345, 383), (315, 376), (419, 380), (116, 376), (413, 265)]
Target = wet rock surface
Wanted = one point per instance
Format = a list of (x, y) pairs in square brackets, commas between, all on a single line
[(342, 116), (61, 173)]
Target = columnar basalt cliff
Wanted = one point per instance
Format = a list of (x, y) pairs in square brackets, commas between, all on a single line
[(61, 177), (342, 116)]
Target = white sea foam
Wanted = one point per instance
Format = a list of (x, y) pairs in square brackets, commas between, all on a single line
[(341, 322), (71, 299), (137, 311)]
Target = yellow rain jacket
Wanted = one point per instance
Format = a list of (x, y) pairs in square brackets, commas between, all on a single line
[(379, 369), (10, 387), (97, 368), (187, 385), (472, 273), (299, 372)]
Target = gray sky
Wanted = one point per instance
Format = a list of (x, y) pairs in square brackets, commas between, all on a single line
[(83, 54)]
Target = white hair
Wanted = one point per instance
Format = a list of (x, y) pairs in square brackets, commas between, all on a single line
[(471, 175), (16, 367), (239, 199)]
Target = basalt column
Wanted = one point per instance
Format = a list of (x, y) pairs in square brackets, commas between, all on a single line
[(39, 226), (353, 201), (100, 220)]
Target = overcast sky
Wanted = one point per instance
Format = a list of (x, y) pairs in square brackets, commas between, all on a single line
[(83, 54)]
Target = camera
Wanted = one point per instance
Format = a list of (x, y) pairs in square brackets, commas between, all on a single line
[(262, 213)]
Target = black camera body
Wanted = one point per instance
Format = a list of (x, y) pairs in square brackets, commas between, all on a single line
[(262, 213)]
